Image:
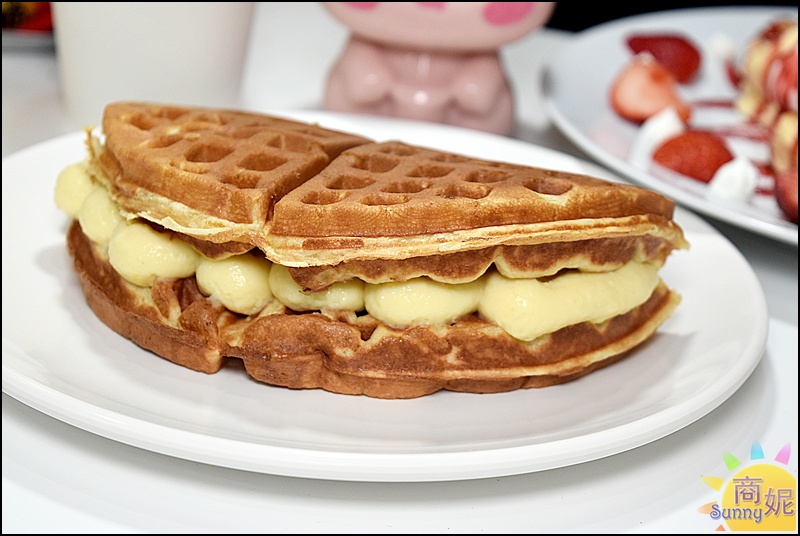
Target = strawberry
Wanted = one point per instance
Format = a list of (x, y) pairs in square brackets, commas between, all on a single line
[(786, 193), (673, 51), (694, 153), (643, 88)]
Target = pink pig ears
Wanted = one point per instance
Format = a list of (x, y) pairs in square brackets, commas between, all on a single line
[(502, 13)]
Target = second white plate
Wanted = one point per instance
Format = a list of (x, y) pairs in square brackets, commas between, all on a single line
[(577, 83), (60, 359)]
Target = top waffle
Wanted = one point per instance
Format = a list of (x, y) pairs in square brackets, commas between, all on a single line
[(309, 196), (394, 189), (395, 201), (213, 173)]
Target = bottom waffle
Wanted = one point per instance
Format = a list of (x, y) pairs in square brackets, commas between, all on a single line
[(349, 353)]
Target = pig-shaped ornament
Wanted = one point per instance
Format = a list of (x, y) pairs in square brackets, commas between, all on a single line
[(430, 61)]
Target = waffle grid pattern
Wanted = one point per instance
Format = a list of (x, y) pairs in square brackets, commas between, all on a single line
[(394, 189)]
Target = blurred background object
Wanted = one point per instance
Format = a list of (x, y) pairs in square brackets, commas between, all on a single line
[(177, 52), (430, 61), (27, 16), (27, 26)]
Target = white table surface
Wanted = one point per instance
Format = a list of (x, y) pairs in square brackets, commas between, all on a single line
[(61, 479)]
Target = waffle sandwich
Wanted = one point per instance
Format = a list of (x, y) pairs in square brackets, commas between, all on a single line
[(322, 259)]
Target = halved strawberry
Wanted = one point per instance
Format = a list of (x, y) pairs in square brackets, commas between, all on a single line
[(675, 52), (643, 88), (694, 153), (786, 193)]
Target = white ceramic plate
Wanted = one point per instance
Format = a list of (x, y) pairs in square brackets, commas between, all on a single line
[(61, 360), (578, 78)]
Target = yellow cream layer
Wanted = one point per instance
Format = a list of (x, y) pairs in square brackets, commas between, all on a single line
[(246, 284)]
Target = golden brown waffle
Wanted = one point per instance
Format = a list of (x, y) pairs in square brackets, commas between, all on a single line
[(396, 201), (217, 176), (349, 354), (211, 173)]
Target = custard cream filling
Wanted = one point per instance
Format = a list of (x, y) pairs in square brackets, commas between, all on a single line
[(246, 284)]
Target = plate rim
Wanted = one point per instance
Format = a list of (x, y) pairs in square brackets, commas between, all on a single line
[(358, 466), (718, 211)]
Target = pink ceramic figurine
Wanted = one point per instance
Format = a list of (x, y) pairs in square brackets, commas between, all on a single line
[(430, 61)]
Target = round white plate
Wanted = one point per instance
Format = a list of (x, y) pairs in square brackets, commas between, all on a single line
[(578, 78), (61, 360)]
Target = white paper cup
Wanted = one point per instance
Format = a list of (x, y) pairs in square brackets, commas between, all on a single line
[(170, 52)]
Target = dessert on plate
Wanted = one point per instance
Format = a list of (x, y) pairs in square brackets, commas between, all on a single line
[(323, 259), (649, 92), (769, 97)]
